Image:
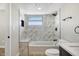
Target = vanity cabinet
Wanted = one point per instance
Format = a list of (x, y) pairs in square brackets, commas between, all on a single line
[(64, 52)]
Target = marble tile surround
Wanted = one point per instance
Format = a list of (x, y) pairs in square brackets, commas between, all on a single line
[(41, 33)]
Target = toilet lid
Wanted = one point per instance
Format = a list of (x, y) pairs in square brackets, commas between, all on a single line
[(52, 51)]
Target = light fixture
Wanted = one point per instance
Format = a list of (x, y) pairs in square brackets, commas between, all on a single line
[(39, 8)]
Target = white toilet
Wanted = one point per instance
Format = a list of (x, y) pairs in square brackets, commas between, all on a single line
[(52, 52)]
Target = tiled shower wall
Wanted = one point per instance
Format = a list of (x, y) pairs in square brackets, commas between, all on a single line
[(45, 32)]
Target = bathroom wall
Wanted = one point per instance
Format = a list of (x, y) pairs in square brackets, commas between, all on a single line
[(67, 27), (2, 26), (4, 29), (42, 33), (3, 23), (14, 30)]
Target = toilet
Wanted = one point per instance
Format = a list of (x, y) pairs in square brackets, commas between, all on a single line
[(52, 52)]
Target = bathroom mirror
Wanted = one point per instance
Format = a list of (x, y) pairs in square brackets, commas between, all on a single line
[(76, 29)]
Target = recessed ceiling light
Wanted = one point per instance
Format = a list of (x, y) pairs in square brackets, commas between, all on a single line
[(39, 8)]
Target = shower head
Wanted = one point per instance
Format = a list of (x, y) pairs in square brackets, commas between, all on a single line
[(54, 14)]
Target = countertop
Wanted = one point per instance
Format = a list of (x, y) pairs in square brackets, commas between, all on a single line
[(72, 48)]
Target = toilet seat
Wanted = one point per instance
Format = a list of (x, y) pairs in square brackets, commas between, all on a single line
[(52, 52)]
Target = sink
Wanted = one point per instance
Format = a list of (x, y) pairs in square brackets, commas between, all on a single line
[(72, 48)]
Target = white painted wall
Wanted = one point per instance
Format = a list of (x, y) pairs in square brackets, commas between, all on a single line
[(14, 30), (4, 27), (67, 27), (4, 20), (3, 23)]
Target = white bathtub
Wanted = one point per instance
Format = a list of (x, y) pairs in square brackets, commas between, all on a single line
[(38, 48), (43, 43)]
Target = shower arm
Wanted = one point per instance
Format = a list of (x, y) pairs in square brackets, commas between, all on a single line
[(67, 18)]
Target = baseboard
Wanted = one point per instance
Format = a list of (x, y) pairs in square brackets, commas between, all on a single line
[(2, 46), (17, 54)]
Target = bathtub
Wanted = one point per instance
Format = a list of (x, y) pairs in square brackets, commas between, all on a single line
[(43, 43), (38, 48)]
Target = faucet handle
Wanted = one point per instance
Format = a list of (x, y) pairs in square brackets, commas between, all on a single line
[(55, 40)]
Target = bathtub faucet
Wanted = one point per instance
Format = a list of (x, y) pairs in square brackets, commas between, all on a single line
[(55, 40)]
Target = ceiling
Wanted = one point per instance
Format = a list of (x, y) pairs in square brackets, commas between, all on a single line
[(39, 8), (35, 8)]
